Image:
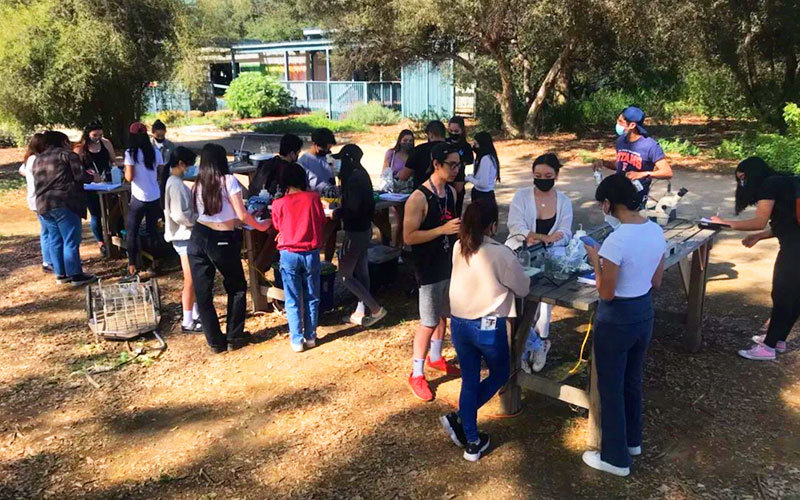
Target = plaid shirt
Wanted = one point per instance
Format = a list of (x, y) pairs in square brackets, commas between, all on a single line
[(59, 176)]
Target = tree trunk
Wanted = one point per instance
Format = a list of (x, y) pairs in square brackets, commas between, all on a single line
[(544, 89), (562, 84), (505, 98)]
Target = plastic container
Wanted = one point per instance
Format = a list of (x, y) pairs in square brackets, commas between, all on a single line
[(327, 280), (116, 175), (383, 262)]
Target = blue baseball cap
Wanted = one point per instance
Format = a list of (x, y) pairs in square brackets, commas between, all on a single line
[(635, 115)]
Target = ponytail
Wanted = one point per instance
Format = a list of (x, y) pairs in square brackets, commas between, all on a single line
[(477, 217)]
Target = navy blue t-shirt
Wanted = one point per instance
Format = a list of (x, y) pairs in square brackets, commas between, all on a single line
[(638, 156)]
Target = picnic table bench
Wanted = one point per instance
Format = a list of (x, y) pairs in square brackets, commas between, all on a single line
[(688, 247)]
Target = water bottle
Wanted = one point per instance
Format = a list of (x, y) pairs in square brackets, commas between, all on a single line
[(116, 175), (598, 177)]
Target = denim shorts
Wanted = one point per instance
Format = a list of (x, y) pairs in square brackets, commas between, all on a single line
[(434, 303), (180, 246)]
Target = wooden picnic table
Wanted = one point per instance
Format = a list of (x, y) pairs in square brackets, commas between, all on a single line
[(114, 203), (688, 247)]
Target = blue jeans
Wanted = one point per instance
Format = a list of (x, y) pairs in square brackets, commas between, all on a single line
[(44, 234), (471, 345), (93, 204), (300, 274), (64, 240), (622, 334)]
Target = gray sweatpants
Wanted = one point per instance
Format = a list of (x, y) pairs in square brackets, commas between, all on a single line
[(354, 267)]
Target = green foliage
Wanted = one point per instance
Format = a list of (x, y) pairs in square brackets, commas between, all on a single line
[(713, 92), (791, 115), (196, 113), (253, 95), (222, 122), (305, 124), (171, 116), (373, 114), (420, 121), (586, 156), (781, 152), (683, 147), (730, 149)]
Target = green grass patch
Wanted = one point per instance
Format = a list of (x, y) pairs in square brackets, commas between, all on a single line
[(305, 124)]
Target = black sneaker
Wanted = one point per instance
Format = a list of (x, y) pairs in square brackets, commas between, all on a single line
[(218, 349), (195, 327), (237, 344), (82, 279), (63, 280), (474, 451), (454, 429), (47, 268)]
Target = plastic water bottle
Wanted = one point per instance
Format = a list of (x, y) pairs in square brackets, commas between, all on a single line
[(598, 177), (116, 175)]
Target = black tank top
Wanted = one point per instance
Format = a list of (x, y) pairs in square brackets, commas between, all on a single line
[(100, 161), (433, 260), (543, 226)]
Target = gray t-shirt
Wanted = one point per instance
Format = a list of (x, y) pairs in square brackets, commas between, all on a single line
[(320, 175)]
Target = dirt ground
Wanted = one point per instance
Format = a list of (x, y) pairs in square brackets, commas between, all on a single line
[(338, 421)]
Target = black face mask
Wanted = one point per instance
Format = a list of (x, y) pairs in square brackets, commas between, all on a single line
[(544, 184), (160, 141), (323, 152), (455, 138)]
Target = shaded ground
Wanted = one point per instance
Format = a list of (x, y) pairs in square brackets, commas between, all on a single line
[(339, 422)]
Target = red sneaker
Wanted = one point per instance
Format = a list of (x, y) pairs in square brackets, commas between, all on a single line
[(420, 388), (442, 366)]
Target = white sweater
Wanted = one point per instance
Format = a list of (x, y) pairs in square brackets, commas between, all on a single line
[(179, 214), (484, 180), (522, 217)]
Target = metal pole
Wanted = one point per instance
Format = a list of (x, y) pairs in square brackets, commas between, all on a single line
[(234, 73), (286, 65), (328, 79)]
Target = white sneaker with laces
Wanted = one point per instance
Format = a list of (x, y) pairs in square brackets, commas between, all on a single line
[(540, 356), (593, 460)]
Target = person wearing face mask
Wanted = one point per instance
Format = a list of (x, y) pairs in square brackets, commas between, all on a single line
[(394, 160), (487, 168), (166, 147), (420, 161), (628, 265), (458, 137), (639, 156), (485, 281), (777, 201), (97, 154), (321, 177), (541, 214)]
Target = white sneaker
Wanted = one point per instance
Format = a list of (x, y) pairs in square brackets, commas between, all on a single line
[(634, 451), (298, 347), (593, 460), (310, 344), (540, 356), (780, 346)]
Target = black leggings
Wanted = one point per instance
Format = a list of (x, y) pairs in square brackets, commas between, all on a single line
[(483, 195), (138, 210), (785, 295)]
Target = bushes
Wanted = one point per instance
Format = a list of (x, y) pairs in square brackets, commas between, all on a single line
[(253, 95), (196, 114), (373, 114), (682, 147), (171, 117), (713, 92), (306, 123)]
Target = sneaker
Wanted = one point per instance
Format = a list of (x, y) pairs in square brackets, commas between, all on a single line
[(82, 279), (420, 387), (217, 349), (474, 451), (634, 451), (47, 268), (780, 346), (354, 319), (310, 343), (759, 352), (298, 347), (374, 317), (442, 366), (540, 356), (103, 251), (453, 428), (63, 280), (193, 327), (593, 460)]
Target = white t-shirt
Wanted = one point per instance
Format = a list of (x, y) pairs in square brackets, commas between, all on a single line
[(227, 213), (144, 186), (637, 249), (26, 169)]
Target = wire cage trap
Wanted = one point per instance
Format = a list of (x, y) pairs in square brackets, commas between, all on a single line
[(124, 311)]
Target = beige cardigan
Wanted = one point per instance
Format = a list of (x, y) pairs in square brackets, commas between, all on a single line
[(487, 284)]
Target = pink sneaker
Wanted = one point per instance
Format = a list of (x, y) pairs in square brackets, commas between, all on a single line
[(759, 352), (780, 347)]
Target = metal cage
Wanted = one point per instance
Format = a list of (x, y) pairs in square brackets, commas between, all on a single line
[(123, 311)]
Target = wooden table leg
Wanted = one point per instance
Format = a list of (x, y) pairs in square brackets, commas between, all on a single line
[(697, 295), (594, 433), (104, 223), (259, 301), (511, 393)]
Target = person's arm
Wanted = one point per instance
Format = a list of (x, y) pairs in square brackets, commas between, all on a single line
[(750, 240), (486, 174), (513, 277), (407, 172), (241, 212), (112, 154), (563, 233), (415, 214), (661, 170), (757, 223), (179, 207), (516, 216), (601, 164), (658, 275), (78, 172), (387, 159), (605, 272)]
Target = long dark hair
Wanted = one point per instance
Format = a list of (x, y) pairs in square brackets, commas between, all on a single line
[(141, 142), (755, 171), (477, 217), (82, 147), (35, 146), (618, 190), (211, 178), (402, 134), (486, 148)]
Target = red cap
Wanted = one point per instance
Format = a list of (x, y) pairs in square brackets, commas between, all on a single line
[(138, 128)]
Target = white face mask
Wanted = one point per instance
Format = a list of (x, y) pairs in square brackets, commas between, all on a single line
[(611, 220)]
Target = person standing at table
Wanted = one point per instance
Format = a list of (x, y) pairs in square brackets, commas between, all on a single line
[(216, 245), (299, 218), (358, 207), (268, 174), (59, 176), (394, 161), (486, 279), (775, 197), (321, 178), (541, 214), (179, 218), (166, 147), (639, 157), (628, 265), (487, 168), (430, 227), (418, 165), (142, 162), (35, 148), (458, 137), (97, 154)]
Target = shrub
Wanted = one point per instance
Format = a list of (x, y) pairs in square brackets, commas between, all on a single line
[(421, 120), (222, 112), (222, 122), (713, 92), (730, 150), (373, 114), (305, 124), (252, 95), (682, 147), (171, 117), (196, 114)]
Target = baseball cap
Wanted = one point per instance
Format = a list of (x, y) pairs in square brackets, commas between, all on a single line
[(637, 116), (351, 151), (442, 150), (137, 128)]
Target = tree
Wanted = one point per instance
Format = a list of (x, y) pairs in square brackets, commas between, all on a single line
[(66, 64)]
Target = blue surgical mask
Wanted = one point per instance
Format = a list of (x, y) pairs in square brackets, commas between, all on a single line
[(620, 129)]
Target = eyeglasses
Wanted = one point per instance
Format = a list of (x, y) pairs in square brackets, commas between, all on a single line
[(452, 165)]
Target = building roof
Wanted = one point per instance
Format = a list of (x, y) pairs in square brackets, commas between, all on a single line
[(280, 47)]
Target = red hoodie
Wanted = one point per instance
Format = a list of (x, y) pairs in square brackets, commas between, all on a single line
[(299, 218)]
